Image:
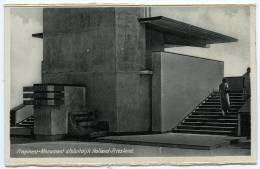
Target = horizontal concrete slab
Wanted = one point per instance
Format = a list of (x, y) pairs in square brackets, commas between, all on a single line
[(175, 140), (21, 131)]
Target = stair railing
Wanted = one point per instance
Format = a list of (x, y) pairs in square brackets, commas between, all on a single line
[(24, 120), (13, 114)]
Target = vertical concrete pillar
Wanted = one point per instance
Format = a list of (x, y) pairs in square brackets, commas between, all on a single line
[(50, 122), (104, 49), (132, 88)]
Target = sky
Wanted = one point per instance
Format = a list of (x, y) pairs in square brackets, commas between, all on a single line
[(26, 52), (231, 21)]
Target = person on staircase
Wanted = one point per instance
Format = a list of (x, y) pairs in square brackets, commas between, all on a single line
[(224, 90)]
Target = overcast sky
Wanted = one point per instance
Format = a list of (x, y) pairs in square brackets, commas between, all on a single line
[(26, 52), (231, 21)]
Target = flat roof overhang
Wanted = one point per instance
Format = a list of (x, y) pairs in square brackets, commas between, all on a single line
[(178, 33), (37, 35)]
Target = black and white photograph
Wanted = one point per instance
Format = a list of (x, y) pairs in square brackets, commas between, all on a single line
[(130, 81)]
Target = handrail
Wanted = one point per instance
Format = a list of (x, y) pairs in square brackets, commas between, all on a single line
[(16, 108), (25, 119), (13, 111)]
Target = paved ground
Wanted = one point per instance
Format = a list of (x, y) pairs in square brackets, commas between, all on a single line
[(26, 147), (174, 140)]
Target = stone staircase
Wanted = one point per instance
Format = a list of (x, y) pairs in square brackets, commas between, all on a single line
[(81, 124), (23, 128), (28, 122), (207, 117), (85, 124)]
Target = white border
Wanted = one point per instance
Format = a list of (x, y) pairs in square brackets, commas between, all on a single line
[(132, 2)]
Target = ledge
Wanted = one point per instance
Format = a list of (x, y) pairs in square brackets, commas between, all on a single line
[(37, 35), (180, 33)]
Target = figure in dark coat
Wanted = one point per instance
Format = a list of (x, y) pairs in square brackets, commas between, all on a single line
[(224, 96)]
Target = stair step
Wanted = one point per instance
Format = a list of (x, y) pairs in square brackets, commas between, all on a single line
[(25, 125), (208, 109), (219, 103), (231, 98), (211, 120), (213, 109), (87, 123), (211, 103), (231, 93), (26, 122), (29, 120), (209, 124), (218, 100), (207, 118), (212, 100), (84, 118), (217, 106), (212, 113), (221, 128), (83, 113), (213, 116), (214, 132)]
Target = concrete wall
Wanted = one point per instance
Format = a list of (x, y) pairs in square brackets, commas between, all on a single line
[(132, 89), (157, 92), (79, 40), (183, 82), (79, 48), (104, 49)]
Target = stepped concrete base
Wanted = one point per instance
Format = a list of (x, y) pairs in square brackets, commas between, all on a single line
[(174, 140), (21, 131)]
